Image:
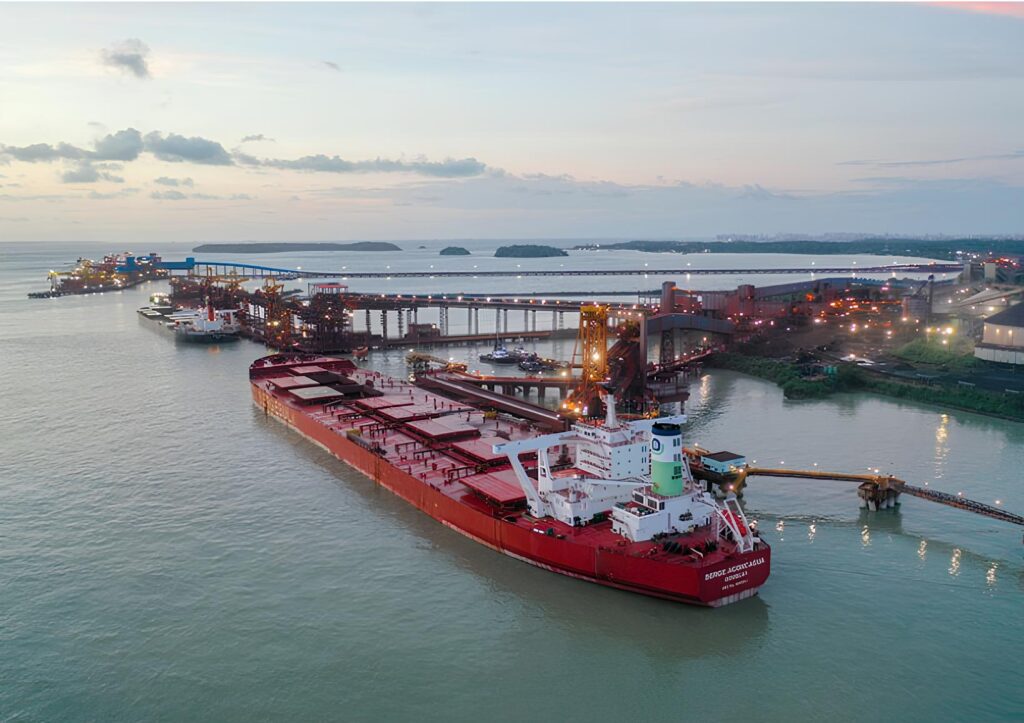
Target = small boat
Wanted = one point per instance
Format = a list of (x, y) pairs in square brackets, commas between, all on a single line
[(212, 327), (360, 352), (501, 355)]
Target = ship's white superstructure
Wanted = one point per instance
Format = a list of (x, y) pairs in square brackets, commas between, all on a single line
[(635, 472)]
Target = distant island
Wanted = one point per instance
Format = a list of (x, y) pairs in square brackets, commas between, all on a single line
[(528, 251), (278, 248), (454, 251), (924, 248)]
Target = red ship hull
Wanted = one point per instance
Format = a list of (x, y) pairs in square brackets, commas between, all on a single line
[(736, 577)]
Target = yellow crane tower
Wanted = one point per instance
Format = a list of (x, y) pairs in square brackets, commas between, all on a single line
[(592, 343)]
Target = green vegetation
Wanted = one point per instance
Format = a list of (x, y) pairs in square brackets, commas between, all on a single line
[(851, 378), (1009, 406), (278, 248), (786, 375), (958, 354), (924, 248), (454, 251), (528, 251)]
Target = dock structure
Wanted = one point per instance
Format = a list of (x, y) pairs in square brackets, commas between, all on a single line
[(461, 389), (202, 267), (875, 491)]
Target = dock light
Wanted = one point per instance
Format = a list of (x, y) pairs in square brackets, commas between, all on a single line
[(999, 502)]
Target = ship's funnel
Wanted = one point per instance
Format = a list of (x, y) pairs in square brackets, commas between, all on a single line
[(610, 420), (666, 459)]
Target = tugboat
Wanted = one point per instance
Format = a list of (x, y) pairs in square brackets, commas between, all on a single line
[(501, 355)]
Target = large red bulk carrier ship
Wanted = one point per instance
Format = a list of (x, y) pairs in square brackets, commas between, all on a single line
[(611, 502)]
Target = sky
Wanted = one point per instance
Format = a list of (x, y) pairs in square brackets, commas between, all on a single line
[(302, 122)]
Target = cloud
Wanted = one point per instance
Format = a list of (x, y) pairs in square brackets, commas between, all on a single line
[(43, 152), (97, 196), (1013, 156), (166, 181), (168, 195), (179, 196), (176, 149), (257, 137), (129, 56), (86, 172), (124, 145), (448, 168), (332, 66), (121, 146)]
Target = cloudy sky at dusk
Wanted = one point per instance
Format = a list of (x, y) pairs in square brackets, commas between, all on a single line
[(315, 122)]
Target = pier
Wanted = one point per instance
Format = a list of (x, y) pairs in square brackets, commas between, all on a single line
[(877, 491), (215, 268)]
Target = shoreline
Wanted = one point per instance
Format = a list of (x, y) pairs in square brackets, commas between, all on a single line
[(851, 378)]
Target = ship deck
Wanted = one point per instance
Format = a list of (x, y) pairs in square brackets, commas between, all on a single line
[(447, 445)]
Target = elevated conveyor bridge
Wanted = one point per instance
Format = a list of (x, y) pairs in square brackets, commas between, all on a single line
[(877, 491), (203, 268)]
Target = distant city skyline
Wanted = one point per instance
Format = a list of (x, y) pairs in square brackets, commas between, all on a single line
[(190, 122)]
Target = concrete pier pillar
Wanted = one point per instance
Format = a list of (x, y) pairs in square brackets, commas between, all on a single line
[(384, 324), (533, 320), (401, 323)]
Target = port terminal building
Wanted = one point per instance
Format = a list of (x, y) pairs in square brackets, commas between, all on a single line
[(1002, 338)]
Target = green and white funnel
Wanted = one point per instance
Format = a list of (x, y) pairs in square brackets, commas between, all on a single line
[(666, 460)]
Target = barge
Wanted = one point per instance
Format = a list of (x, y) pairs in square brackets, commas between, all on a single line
[(610, 502)]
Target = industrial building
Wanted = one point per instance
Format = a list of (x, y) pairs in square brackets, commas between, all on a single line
[(1002, 339), (723, 462)]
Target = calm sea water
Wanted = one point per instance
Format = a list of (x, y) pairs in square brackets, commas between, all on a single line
[(168, 553)]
